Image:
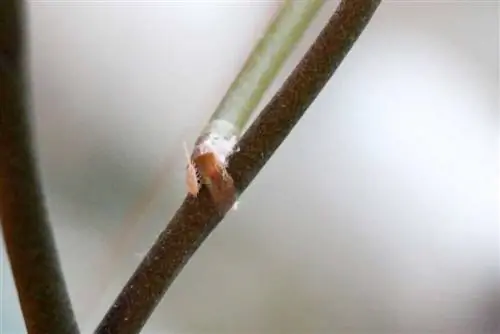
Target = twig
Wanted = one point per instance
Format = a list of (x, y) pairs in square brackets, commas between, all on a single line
[(28, 236), (195, 219), (264, 62)]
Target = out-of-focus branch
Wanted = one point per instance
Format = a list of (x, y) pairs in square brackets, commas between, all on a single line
[(28, 236), (196, 218), (263, 64)]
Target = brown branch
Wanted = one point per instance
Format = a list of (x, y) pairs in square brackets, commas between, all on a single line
[(195, 219), (28, 236)]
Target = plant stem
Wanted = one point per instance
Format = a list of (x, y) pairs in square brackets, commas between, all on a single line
[(27, 233), (196, 218), (262, 66)]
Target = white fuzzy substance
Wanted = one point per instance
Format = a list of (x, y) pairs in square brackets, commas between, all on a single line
[(213, 142)]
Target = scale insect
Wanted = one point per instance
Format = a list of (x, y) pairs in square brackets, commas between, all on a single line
[(207, 168), (215, 176)]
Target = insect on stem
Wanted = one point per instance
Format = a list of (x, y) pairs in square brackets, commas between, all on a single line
[(208, 164)]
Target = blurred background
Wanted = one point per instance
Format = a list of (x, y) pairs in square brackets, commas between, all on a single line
[(378, 214)]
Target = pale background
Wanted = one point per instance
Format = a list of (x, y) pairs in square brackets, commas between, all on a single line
[(379, 213)]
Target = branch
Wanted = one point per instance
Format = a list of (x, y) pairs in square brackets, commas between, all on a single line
[(28, 237), (196, 218), (265, 61)]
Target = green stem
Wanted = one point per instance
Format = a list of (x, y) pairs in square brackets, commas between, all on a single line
[(262, 66)]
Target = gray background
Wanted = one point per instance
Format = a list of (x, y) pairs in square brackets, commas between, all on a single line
[(379, 214)]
